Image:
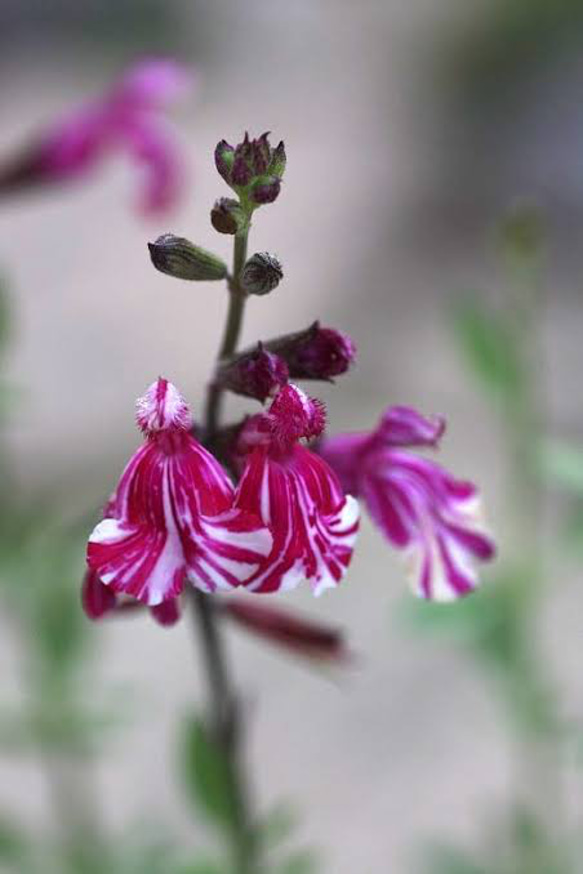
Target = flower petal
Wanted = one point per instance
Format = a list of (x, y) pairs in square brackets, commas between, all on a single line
[(405, 426), (421, 508), (97, 599), (314, 525)]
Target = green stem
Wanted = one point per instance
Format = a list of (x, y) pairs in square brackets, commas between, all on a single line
[(225, 726), (223, 703), (237, 298)]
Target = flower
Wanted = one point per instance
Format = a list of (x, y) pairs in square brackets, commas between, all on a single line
[(417, 504), (171, 517), (315, 353), (295, 493), (127, 118)]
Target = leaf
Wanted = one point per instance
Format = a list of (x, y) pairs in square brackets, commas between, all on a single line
[(561, 464), (490, 347), (442, 859), (208, 775), (5, 315), (203, 867), (13, 845), (300, 862), (277, 826)]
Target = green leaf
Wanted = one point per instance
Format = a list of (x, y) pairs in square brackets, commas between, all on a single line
[(561, 464), (13, 845), (208, 775), (277, 826), (488, 622), (203, 867), (443, 859), (301, 862), (5, 314), (490, 348)]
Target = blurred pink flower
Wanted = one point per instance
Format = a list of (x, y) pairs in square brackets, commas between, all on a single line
[(129, 117), (171, 517), (313, 523), (415, 502)]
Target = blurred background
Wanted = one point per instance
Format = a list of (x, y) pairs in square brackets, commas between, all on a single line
[(410, 130)]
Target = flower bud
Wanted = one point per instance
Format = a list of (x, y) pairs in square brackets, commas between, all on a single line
[(278, 161), (303, 637), (257, 374), (316, 353), (261, 273), (265, 190), (178, 257), (253, 168), (224, 159), (227, 216)]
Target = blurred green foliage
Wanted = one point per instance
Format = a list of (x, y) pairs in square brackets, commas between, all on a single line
[(489, 346)]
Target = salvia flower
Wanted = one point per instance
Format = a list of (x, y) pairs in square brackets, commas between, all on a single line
[(128, 118), (419, 506), (315, 353), (253, 168), (296, 494), (256, 374), (171, 517), (287, 630)]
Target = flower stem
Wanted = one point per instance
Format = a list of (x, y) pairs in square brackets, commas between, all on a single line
[(237, 298), (225, 726), (223, 703)]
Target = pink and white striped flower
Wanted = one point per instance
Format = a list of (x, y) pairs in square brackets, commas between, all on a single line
[(128, 118), (295, 493), (171, 517), (419, 506)]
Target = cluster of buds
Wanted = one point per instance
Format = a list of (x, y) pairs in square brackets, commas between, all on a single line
[(253, 168)]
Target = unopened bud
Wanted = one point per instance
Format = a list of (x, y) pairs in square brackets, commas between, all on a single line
[(257, 374), (224, 159), (261, 273), (265, 190), (227, 216), (278, 161), (316, 353), (178, 257), (293, 632)]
